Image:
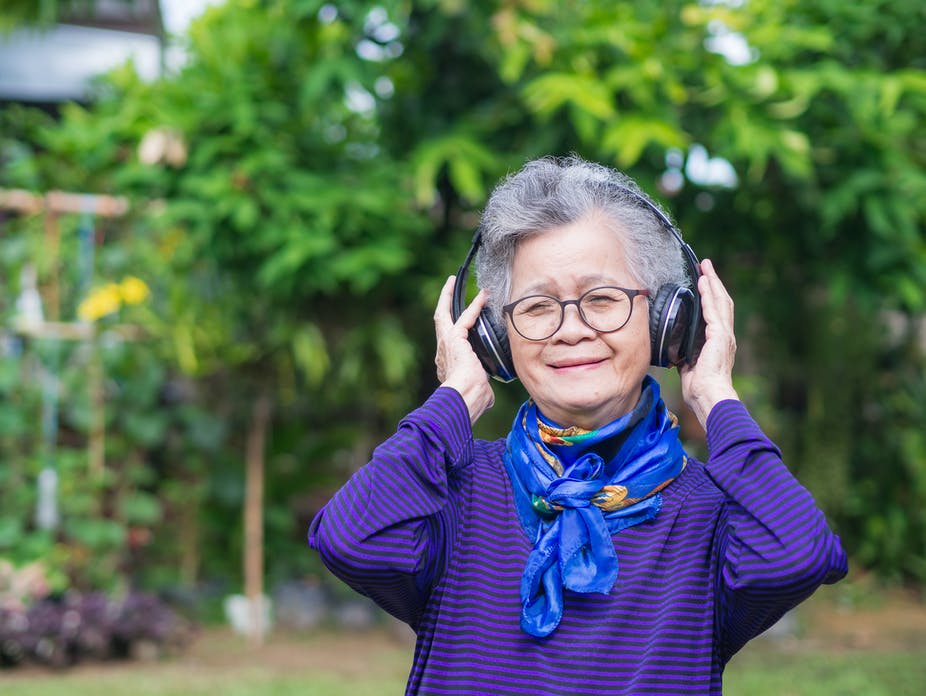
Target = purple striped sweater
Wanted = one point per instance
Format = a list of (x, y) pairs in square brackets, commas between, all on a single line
[(428, 529)]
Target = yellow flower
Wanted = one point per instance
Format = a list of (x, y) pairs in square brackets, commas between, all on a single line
[(100, 302), (134, 290)]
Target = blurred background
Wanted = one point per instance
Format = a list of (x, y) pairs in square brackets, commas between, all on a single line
[(223, 229)]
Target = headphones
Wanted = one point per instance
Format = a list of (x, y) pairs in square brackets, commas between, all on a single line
[(676, 326)]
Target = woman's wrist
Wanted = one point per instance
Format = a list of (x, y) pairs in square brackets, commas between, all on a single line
[(478, 397), (704, 403)]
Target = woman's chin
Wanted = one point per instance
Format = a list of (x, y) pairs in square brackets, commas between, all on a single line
[(573, 409), (585, 407)]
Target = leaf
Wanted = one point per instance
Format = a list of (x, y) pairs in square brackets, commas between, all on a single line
[(11, 531), (627, 137), (891, 91), (311, 353), (548, 93), (147, 428), (98, 534), (464, 175), (514, 61), (140, 508), (396, 353), (465, 159), (302, 246)]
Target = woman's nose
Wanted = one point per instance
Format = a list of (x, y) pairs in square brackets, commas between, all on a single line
[(573, 328)]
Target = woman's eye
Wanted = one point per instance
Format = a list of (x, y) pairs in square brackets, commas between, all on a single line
[(602, 299), (536, 307)]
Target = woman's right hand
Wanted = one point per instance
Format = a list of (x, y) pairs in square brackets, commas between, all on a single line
[(457, 364)]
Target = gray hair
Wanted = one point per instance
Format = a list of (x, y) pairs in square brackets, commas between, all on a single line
[(552, 192)]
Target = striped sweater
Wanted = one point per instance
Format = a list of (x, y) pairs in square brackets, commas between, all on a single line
[(428, 529)]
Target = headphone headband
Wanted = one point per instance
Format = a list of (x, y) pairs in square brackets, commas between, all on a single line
[(488, 339), (694, 338)]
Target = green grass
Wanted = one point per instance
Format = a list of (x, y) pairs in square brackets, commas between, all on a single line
[(145, 682), (767, 671)]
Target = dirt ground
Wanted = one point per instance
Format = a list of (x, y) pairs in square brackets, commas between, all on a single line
[(895, 620), (345, 652)]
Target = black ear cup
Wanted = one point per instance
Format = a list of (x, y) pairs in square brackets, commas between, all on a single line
[(670, 325), (490, 343), (488, 339), (676, 325)]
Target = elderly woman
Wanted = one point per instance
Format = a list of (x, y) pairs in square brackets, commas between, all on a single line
[(585, 553)]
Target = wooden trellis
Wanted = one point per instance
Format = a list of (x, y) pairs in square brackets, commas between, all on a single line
[(52, 206)]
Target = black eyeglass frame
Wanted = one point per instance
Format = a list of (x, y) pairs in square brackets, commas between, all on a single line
[(631, 294)]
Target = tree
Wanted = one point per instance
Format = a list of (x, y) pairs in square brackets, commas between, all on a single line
[(338, 155), (819, 231)]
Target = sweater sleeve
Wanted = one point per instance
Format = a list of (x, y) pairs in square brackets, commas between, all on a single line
[(775, 545), (388, 530)]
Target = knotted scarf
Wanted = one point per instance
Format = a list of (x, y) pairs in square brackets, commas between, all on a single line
[(574, 488)]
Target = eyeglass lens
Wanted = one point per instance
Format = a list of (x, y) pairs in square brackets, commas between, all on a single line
[(604, 309)]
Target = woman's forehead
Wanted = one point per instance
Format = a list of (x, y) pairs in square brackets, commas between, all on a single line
[(577, 256), (552, 285)]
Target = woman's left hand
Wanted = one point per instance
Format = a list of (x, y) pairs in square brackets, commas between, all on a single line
[(710, 380)]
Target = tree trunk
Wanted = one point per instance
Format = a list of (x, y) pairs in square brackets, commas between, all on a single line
[(254, 517)]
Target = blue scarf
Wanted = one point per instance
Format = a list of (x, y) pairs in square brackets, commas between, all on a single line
[(574, 488)]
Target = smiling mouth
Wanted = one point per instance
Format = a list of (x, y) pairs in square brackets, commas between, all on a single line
[(576, 365)]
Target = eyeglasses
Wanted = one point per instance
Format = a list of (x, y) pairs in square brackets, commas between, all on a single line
[(606, 310)]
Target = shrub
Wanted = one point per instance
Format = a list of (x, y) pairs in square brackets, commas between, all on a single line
[(62, 630)]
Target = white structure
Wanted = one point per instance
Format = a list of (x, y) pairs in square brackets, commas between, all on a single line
[(54, 64)]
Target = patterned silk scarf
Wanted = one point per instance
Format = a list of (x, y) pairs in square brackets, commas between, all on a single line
[(574, 488)]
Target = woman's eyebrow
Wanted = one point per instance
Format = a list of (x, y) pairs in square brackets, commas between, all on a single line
[(549, 287)]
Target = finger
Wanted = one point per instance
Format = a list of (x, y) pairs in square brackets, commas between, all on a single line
[(716, 284), (717, 313), (716, 301), (469, 316), (443, 319)]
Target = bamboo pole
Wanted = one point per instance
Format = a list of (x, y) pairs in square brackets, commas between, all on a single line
[(254, 518), (76, 331), (52, 248), (58, 202), (96, 446)]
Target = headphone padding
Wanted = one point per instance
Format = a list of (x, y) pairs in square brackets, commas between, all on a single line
[(495, 347), (670, 325)]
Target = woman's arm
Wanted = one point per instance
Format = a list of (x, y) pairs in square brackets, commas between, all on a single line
[(388, 531), (775, 545)]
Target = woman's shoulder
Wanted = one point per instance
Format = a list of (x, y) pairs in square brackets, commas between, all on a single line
[(694, 486), (490, 449), (487, 456), (483, 464)]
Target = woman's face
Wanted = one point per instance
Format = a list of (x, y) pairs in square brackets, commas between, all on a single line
[(579, 376)]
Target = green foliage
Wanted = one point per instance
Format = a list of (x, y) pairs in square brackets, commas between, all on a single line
[(303, 185)]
